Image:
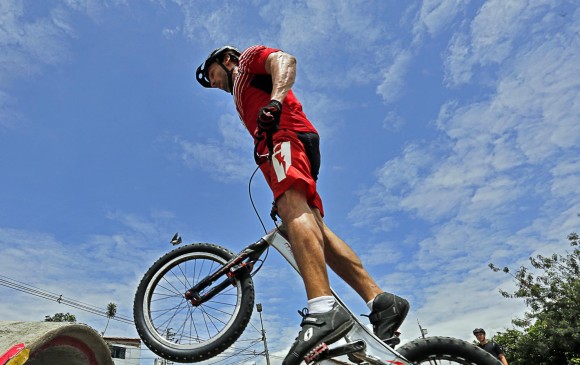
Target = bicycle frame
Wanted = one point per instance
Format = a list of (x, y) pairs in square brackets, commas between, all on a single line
[(375, 351)]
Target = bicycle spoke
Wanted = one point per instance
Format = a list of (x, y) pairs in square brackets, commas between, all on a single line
[(219, 310), (177, 277), (169, 290), (185, 282), (178, 324)]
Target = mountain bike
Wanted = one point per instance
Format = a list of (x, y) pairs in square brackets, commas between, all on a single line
[(195, 301)]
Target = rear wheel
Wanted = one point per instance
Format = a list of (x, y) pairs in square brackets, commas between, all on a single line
[(170, 325), (445, 350)]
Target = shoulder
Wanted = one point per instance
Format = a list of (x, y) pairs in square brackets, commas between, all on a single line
[(258, 49), (254, 58), (497, 346)]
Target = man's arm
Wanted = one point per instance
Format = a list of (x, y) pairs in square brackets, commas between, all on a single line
[(282, 67), (503, 359)]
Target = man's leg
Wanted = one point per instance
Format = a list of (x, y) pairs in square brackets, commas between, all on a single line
[(307, 242), (306, 239), (345, 263), (388, 311)]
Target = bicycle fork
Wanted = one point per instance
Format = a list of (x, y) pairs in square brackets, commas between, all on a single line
[(241, 263)]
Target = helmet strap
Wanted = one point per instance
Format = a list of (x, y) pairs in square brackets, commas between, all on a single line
[(230, 77)]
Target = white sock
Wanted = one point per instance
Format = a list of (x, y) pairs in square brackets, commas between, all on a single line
[(370, 304), (320, 304)]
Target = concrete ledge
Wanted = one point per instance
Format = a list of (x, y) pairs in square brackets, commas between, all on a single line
[(55, 343)]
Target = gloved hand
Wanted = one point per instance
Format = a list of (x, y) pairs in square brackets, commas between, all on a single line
[(269, 116)]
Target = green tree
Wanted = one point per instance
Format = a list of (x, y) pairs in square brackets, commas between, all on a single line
[(61, 317), (551, 327), (509, 341), (111, 312)]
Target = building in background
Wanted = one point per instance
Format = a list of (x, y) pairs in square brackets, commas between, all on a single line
[(124, 351)]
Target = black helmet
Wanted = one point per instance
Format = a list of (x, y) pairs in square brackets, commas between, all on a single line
[(216, 56), (478, 330)]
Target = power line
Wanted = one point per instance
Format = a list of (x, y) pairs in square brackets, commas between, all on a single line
[(59, 298)]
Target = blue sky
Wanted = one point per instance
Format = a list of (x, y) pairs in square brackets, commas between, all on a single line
[(449, 131)]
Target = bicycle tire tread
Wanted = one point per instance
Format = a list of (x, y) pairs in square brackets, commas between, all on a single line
[(445, 348), (212, 348)]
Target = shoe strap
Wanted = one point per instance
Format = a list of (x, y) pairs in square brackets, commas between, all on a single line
[(385, 313), (312, 321)]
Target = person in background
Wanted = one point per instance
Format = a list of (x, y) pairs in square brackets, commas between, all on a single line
[(489, 346)]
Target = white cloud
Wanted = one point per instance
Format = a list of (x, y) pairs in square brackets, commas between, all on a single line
[(500, 180), (321, 34), (494, 33), (211, 25), (395, 179), (566, 179), (435, 15), (393, 122), (474, 302), (97, 269), (317, 32), (393, 77), (28, 44), (228, 160), (496, 26), (380, 254), (325, 111), (94, 8), (458, 64), (531, 119)]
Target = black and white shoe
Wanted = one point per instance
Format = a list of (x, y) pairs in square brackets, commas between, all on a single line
[(389, 312), (319, 329)]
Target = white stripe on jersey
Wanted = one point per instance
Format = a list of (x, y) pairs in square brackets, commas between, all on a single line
[(243, 78)]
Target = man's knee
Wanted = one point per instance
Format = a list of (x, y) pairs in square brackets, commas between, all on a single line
[(293, 201)]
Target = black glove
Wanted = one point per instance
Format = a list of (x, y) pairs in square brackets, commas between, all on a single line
[(269, 116)]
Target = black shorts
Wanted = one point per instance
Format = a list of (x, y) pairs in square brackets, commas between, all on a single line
[(311, 142)]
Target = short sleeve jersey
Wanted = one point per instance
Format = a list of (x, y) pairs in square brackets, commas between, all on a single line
[(493, 348), (253, 88)]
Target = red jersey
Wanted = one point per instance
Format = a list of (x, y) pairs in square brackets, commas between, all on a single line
[(253, 89)]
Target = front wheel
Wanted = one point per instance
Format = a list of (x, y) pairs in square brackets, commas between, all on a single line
[(170, 325), (448, 350)]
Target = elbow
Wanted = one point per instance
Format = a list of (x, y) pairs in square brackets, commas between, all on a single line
[(291, 60), (280, 61), (286, 60)]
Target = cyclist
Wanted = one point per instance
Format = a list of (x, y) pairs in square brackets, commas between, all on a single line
[(287, 149), (490, 346)]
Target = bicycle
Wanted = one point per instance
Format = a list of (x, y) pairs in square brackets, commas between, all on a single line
[(204, 293)]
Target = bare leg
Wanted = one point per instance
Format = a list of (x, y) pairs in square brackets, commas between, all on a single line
[(345, 263), (307, 240)]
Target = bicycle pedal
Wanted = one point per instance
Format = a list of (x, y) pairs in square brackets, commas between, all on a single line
[(354, 359), (314, 354), (320, 353), (393, 341)]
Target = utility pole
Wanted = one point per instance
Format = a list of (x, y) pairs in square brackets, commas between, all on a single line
[(423, 330), (423, 333), (259, 308)]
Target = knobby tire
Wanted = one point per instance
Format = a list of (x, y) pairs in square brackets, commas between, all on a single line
[(428, 350), (171, 326)]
